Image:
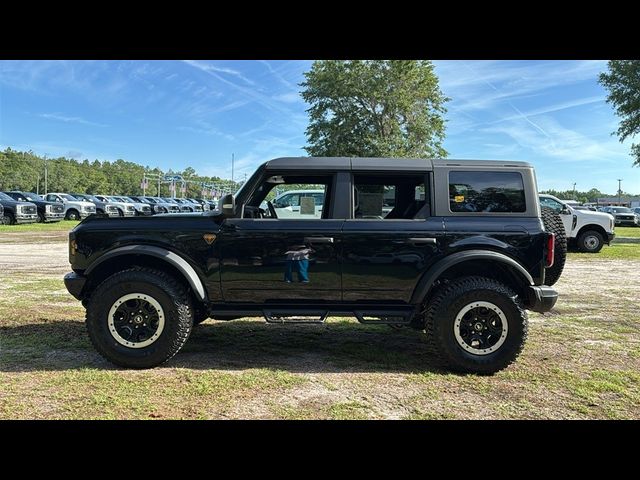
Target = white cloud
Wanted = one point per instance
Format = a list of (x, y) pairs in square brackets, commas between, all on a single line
[(559, 142), (290, 97), (209, 67), (66, 119)]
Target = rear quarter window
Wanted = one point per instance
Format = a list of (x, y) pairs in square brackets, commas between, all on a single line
[(486, 192)]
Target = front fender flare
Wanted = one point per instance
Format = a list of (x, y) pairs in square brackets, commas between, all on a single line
[(430, 276), (168, 256)]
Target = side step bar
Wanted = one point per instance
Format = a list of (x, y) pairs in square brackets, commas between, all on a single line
[(305, 316), (295, 316)]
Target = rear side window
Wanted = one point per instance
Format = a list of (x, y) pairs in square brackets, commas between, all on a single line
[(471, 192)]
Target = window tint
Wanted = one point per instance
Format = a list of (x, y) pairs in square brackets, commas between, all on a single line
[(390, 197), (551, 203), (486, 192)]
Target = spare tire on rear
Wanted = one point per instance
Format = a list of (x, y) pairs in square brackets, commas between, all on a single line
[(553, 224)]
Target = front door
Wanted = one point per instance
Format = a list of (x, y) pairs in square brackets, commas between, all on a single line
[(265, 258)]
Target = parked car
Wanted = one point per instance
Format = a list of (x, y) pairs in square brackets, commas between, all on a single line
[(15, 211), (586, 230), (166, 207), (183, 208), (465, 277), (189, 205), (74, 209), (142, 208), (101, 206), (636, 210), (202, 203), (125, 209), (623, 216), (47, 211)]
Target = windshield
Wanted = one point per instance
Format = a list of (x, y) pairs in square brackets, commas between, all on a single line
[(31, 196), (150, 199), (4, 196), (621, 210)]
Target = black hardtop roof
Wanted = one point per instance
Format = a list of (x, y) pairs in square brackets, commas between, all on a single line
[(389, 164)]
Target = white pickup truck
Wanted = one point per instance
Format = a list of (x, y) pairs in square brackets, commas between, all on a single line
[(586, 230)]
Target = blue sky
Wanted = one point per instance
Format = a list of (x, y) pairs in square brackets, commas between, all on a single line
[(173, 114)]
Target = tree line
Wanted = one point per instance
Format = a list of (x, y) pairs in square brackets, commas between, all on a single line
[(584, 197), (25, 171)]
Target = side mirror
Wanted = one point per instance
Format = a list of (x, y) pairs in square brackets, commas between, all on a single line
[(565, 210), (227, 205)]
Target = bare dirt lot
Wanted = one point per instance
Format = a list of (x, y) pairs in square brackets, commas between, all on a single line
[(581, 361)]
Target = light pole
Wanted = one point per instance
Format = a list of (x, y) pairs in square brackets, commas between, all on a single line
[(619, 191), (574, 191)]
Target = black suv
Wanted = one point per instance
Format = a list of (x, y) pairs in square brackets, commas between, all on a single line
[(47, 211), (461, 255)]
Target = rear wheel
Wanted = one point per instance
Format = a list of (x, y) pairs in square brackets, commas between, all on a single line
[(476, 325), (590, 241), (139, 318), (553, 224)]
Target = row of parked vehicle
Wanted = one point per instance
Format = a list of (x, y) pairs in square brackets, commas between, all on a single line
[(624, 216), (26, 207)]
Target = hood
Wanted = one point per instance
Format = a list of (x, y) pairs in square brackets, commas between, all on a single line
[(592, 214), (82, 203), (14, 203)]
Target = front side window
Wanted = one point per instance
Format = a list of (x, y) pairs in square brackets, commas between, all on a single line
[(291, 197), (474, 192)]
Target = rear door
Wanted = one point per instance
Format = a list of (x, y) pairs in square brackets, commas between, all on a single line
[(391, 239)]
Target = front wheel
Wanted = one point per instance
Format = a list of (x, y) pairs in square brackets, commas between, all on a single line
[(476, 325), (73, 215), (590, 242), (139, 318)]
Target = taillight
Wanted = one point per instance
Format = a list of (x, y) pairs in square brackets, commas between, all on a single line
[(551, 247)]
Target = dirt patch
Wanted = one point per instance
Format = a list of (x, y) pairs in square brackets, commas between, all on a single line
[(581, 361)]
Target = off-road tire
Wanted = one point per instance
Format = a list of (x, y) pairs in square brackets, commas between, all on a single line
[(169, 293), (590, 241), (553, 224), (449, 300)]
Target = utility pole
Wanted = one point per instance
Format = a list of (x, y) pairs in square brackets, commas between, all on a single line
[(619, 191), (45, 175), (574, 191), (232, 163)]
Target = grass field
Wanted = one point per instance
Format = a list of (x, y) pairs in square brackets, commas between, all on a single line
[(64, 225), (582, 360), (627, 232)]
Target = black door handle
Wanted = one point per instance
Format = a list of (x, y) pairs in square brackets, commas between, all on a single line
[(318, 239)]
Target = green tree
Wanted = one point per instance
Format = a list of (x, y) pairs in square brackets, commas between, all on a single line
[(374, 108), (623, 83)]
